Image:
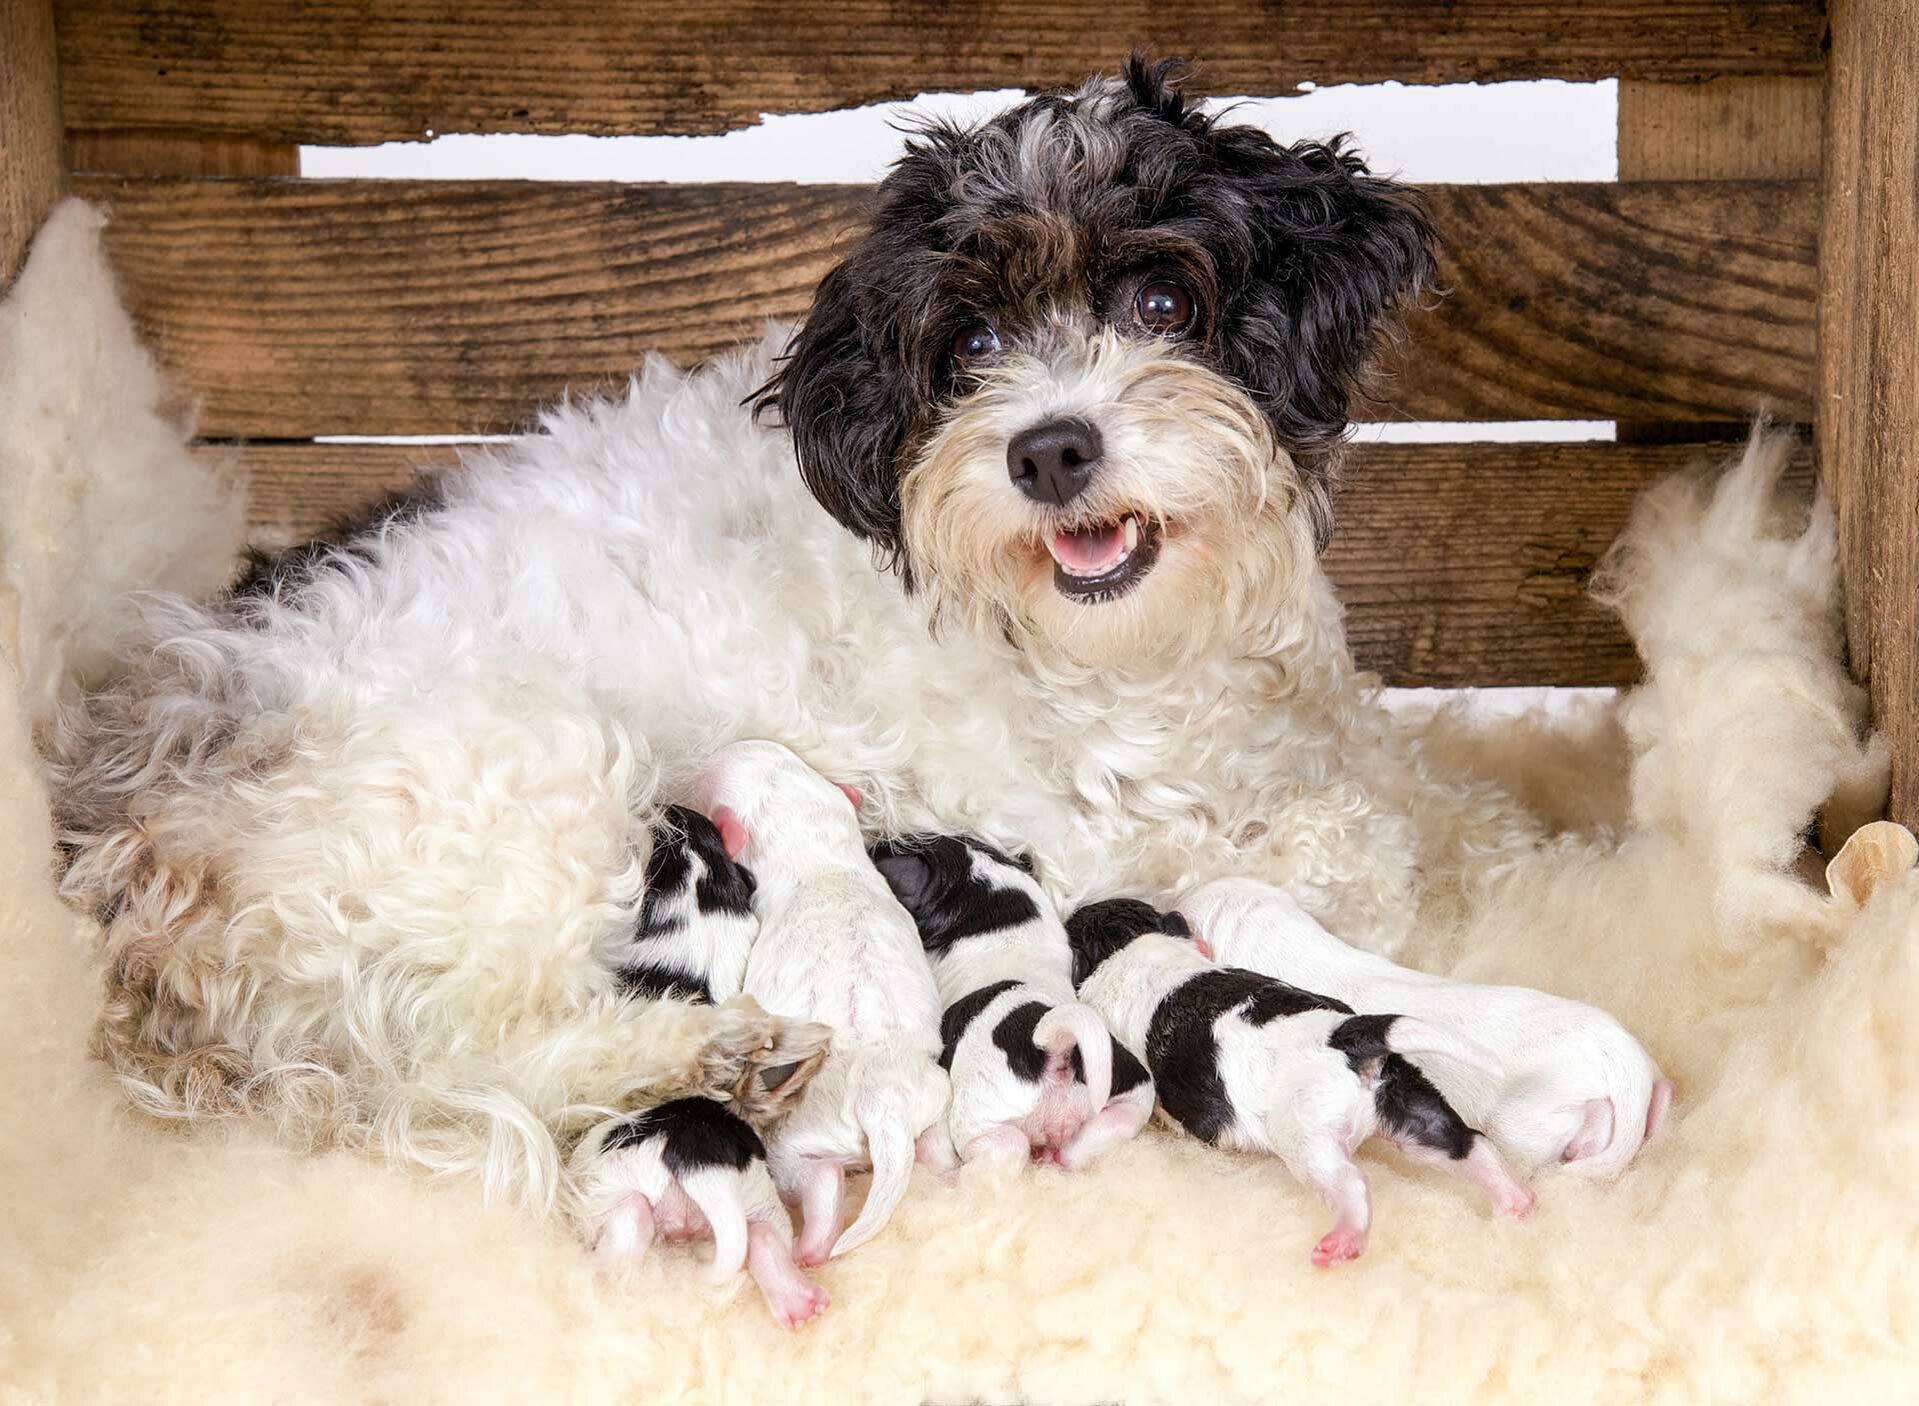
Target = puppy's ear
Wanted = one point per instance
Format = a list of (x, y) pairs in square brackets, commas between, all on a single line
[(908, 874), (1337, 255), (847, 402)]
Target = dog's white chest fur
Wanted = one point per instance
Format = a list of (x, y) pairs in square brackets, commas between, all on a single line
[(695, 607)]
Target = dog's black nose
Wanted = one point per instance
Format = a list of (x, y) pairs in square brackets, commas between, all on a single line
[(1053, 462)]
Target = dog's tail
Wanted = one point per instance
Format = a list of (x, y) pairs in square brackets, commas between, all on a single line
[(1077, 1025), (1366, 1039), (716, 1191), (900, 1097)]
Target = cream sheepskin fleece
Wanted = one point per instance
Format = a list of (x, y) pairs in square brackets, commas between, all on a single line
[(101, 494), (1763, 1249)]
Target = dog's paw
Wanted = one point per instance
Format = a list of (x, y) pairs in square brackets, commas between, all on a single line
[(759, 1062)]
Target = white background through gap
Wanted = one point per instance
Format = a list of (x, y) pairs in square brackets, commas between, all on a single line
[(1455, 133)]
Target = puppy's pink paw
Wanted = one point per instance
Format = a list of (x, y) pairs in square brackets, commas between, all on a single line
[(1337, 1246), (797, 1307), (1517, 1203), (808, 1258)]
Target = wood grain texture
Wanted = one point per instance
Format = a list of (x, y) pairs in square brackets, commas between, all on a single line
[(1730, 129), (30, 171), (175, 154), (353, 72), (1459, 563), (1868, 428), (301, 308)]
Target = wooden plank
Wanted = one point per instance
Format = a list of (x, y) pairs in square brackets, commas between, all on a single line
[(300, 308), (176, 154), (1730, 129), (1868, 431), (350, 72), (1458, 563), (30, 174), (1466, 565)]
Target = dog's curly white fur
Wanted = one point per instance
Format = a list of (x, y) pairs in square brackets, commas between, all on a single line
[(363, 830)]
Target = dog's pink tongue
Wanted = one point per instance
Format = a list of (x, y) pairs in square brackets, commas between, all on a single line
[(1090, 552)]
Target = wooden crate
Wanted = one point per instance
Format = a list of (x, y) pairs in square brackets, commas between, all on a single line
[(1759, 251)]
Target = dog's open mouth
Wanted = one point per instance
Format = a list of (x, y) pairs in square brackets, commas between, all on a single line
[(1103, 561)]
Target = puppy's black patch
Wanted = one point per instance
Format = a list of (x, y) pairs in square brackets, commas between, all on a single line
[(933, 878), (1014, 1036), (685, 843), (1128, 1072), (699, 1133), (1098, 930), (653, 982), (963, 1013), (1183, 1053), (1409, 1106), (1275, 999), (683, 834)]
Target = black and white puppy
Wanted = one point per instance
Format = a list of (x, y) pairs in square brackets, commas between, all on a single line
[(696, 922), (1247, 1062), (695, 1166), (1034, 1071)]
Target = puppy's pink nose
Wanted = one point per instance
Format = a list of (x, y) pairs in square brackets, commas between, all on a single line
[(1053, 462)]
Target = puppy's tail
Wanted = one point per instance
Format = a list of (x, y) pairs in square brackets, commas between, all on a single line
[(1365, 1039), (892, 1114), (1612, 1130), (1077, 1025), (716, 1191)]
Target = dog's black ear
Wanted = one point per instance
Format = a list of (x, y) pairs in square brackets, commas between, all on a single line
[(1337, 256), (847, 402)]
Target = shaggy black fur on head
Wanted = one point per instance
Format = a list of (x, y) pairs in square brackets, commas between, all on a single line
[(1294, 257)]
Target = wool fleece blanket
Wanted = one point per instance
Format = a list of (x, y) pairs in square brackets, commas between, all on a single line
[(1761, 1249)]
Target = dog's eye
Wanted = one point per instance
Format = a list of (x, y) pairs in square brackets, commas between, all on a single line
[(1163, 307), (975, 342)]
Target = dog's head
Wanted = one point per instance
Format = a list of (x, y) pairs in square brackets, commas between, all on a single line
[(1085, 378)]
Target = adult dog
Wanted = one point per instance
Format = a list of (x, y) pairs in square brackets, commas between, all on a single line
[(367, 830)]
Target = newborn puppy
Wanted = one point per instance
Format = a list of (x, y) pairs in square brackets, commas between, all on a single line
[(1034, 1071), (695, 1167), (692, 1168), (1576, 1091), (835, 947), (1247, 1062)]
